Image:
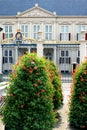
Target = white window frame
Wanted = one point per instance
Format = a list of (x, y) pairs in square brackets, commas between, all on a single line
[(36, 28), (8, 31), (64, 32), (79, 29), (24, 30), (48, 31), (8, 57)]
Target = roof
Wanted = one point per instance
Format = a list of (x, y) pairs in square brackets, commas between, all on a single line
[(61, 7)]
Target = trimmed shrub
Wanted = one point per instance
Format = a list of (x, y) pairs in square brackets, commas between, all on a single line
[(28, 103), (78, 102), (56, 82)]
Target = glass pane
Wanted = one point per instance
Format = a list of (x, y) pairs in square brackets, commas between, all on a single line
[(10, 28), (62, 28), (66, 53), (26, 28), (26, 34), (62, 53), (6, 53), (46, 36), (10, 35), (66, 29), (38, 28), (6, 28), (22, 28), (6, 35), (10, 60), (50, 36), (5, 59), (10, 52), (34, 28), (46, 28), (50, 28)]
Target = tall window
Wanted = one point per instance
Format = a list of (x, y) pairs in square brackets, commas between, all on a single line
[(65, 35), (24, 30), (65, 59), (80, 28), (7, 56), (8, 31), (36, 29), (48, 32)]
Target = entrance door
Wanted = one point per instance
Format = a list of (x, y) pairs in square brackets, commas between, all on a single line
[(22, 51), (74, 65)]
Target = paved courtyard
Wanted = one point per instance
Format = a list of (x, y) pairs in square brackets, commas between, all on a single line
[(63, 124)]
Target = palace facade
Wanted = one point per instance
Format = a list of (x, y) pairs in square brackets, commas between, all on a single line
[(59, 38)]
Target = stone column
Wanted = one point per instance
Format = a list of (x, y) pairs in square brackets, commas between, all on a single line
[(0, 59), (29, 49), (40, 45), (16, 54), (83, 46), (54, 57)]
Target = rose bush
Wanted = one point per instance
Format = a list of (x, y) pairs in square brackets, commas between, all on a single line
[(78, 102), (29, 97)]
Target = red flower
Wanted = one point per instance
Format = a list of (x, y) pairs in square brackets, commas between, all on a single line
[(39, 81), (22, 106), (83, 126), (38, 94), (11, 94), (2, 98), (35, 85), (35, 67), (25, 68), (30, 71), (43, 90)]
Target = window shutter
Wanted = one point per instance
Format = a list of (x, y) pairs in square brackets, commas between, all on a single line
[(60, 60), (77, 37), (60, 36), (69, 60), (85, 36), (69, 36), (78, 60), (3, 36), (3, 60)]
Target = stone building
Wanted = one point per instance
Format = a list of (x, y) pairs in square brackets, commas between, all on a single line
[(54, 29)]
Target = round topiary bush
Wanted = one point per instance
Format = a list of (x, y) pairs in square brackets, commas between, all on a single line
[(78, 103), (28, 103)]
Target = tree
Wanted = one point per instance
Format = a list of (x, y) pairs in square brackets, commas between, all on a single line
[(28, 103), (78, 103)]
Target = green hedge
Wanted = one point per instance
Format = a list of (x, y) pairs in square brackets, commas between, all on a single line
[(56, 82), (29, 100), (78, 104)]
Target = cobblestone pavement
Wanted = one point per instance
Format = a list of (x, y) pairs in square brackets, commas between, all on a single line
[(63, 124)]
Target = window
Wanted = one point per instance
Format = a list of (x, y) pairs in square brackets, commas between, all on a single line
[(78, 57), (24, 30), (7, 58), (48, 32), (8, 31), (65, 35), (64, 57), (79, 29), (36, 29), (49, 56)]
